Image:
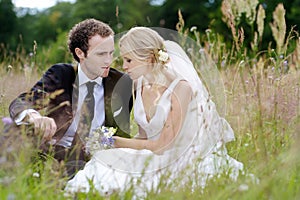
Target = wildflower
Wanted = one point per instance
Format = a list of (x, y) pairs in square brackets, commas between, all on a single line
[(36, 175), (194, 28), (243, 187), (3, 160), (11, 196), (223, 63), (242, 63), (208, 31), (7, 120), (285, 66), (201, 50)]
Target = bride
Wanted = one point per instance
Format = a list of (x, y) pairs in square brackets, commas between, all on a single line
[(180, 133)]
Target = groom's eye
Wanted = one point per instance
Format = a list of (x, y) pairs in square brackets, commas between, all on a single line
[(100, 53)]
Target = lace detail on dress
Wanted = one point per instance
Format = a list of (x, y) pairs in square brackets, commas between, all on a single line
[(154, 126)]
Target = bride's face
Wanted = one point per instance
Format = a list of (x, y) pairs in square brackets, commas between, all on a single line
[(135, 68)]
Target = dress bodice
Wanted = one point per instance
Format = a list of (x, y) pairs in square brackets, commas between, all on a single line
[(153, 126)]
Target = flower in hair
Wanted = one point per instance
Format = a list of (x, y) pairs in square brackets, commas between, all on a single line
[(163, 56)]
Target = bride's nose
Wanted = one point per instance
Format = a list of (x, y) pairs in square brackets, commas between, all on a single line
[(125, 67)]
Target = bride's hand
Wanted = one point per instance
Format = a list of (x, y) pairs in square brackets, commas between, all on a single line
[(116, 141), (120, 142)]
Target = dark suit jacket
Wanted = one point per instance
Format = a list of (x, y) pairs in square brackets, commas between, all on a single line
[(55, 96)]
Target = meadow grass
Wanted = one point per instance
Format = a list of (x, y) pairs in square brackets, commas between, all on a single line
[(265, 126), (262, 106)]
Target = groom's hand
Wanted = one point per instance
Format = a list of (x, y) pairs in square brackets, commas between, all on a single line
[(46, 125)]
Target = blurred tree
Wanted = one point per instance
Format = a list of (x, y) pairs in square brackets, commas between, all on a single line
[(8, 21), (119, 14), (135, 13), (293, 14), (25, 29), (206, 14), (45, 26), (195, 13), (52, 22), (100, 9)]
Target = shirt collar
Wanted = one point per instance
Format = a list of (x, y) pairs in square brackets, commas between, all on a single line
[(83, 79)]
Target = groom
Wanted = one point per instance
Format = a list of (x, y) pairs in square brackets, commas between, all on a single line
[(54, 104)]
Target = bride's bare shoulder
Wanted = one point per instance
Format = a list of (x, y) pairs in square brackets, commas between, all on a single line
[(183, 90)]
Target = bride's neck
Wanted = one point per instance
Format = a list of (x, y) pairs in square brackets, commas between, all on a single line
[(149, 78)]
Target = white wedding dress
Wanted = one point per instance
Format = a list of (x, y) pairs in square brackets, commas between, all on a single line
[(198, 152)]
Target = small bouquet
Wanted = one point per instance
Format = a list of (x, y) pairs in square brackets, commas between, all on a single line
[(100, 139)]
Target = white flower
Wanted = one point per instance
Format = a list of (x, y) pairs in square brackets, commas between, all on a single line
[(35, 174), (194, 28), (163, 56), (243, 187)]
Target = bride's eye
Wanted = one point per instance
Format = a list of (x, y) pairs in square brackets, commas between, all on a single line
[(128, 60)]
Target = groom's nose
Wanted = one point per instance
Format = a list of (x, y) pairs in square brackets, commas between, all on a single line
[(108, 59)]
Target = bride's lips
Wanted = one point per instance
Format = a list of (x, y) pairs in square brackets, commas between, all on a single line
[(105, 68)]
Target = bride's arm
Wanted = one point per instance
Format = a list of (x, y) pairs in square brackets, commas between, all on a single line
[(141, 134), (179, 103)]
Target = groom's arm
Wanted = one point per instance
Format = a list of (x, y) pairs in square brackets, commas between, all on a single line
[(28, 107)]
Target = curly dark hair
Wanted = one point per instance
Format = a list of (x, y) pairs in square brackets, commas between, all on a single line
[(80, 34)]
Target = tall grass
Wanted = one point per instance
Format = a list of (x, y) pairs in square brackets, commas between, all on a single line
[(263, 107)]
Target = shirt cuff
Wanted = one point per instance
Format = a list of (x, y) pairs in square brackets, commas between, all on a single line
[(20, 118)]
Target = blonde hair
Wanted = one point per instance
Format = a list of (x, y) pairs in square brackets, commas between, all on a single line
[(142, 44)]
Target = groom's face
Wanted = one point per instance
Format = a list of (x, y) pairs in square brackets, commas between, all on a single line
[(99, 57)]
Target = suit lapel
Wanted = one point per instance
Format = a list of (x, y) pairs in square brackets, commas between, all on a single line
[(75, 92), (107, 84)]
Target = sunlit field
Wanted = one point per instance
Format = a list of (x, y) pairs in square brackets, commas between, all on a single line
[(262, 91)]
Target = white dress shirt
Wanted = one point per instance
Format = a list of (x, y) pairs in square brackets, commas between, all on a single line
[(99, 111)]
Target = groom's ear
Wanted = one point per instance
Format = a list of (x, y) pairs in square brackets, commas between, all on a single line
[(79, 53)]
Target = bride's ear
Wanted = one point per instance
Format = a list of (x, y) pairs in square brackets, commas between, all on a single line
[(151, 59)]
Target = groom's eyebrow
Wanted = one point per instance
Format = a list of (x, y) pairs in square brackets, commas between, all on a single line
[(104, 52)]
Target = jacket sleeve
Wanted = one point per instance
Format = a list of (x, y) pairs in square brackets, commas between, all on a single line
[(39, 95)]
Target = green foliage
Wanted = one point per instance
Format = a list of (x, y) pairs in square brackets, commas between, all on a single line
[(8, 20), (56, 52), (24, 26)]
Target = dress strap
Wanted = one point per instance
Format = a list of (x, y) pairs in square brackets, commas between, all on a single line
[(166, 93), (171, 87)]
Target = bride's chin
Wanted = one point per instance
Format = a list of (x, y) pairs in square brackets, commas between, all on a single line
[(134, 78)]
